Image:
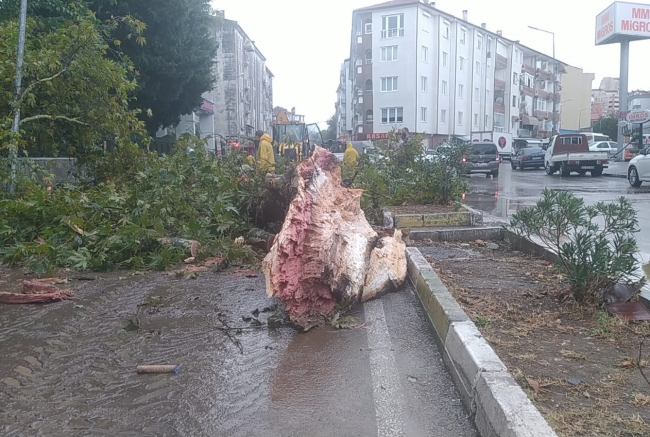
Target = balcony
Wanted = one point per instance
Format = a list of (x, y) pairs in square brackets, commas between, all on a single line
[(501, 62), (528, 69), (499, 108), (392, 33), (541, 115), (528, 91), (544, 75), (544, 95), (499, 84)]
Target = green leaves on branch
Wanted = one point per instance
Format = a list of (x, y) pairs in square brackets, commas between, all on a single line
[(595, 244), (120, 223), (74, 97)]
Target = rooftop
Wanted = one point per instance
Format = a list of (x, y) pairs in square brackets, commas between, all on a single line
[(431, 6)]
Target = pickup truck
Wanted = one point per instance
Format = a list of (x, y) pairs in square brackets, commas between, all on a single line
[(570, 153)]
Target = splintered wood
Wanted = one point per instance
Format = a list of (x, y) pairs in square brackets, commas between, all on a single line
[(327, 253)]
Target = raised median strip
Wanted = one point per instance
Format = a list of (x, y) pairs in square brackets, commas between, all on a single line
[(497, 404)]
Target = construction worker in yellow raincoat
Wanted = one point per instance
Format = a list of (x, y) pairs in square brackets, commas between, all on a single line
[(350, 156), (265, 155)]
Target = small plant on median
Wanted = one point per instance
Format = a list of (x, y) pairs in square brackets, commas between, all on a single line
[(595, 244)]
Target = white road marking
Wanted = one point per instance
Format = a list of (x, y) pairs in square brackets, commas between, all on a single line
[(386, 386)]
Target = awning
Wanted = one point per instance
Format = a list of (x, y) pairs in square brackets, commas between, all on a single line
[(527, 120)]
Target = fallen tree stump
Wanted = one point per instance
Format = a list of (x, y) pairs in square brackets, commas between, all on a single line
[(36, 292), (327, 252)]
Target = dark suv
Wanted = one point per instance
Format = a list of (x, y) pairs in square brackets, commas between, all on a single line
[(485, 159)]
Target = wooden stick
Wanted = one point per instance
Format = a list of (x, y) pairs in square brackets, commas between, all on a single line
[(158, 369)]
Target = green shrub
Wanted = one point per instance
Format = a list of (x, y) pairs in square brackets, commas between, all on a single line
[(397, 174), (595, 244)]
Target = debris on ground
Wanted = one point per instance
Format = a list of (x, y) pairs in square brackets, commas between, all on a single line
[(323, 253), (192, 246), (37, 291), (157, 368)]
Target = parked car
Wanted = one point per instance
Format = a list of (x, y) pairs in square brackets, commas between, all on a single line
[(530, 157), (485, 159), (638, 169), (605, 146), (570, 153)]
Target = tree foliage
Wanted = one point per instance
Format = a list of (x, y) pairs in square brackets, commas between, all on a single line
[(595, 244), (607, 126), (175, 66), (73, 96), (330, 132)]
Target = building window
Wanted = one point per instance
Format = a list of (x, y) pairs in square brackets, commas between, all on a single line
[(463, 36), (359, 40), (515, 79), (389, 53), (443, 88), (360, 100), (423, 84), (360, 129), (443, 116), (368, 56), (425, 54), (368, 27), (360, 28), (423, 114), (389, 84), (477, 95), (461, 88), (369, 86), (392, 26), (475, 119), (514, 101), (478, 68), (392, 115), (445, 30), (359, 70), (479, 41), (460, 118), (369, 116), (444, 59), (461, 64)]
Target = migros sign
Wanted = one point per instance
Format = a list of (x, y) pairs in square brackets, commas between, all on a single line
[(623, 21)]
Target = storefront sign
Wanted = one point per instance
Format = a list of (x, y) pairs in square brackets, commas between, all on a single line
[(638, 116), (621, 21), (381, 136)]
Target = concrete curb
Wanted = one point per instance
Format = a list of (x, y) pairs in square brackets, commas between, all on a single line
[(456, 234), (497, 404), (466, 216)]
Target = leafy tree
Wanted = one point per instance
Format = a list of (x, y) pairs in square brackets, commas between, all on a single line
[(175, 66), (330, 132), (607, 126), (74, 96)]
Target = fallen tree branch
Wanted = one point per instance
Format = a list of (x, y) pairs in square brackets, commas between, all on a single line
[(638, 364)]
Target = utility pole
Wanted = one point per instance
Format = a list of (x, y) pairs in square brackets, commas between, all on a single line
[(20, 56), (554, 125)]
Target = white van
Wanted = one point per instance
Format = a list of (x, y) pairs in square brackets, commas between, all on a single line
[(594, 137)]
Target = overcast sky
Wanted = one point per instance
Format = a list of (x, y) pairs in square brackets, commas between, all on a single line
[(305, 41)]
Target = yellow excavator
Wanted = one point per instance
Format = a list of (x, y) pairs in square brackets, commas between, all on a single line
[(294, 138)]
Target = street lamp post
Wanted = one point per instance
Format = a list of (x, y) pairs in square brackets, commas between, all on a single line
[(20, 56), (554, 73)]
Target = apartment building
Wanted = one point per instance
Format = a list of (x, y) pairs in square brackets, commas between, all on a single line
[(243, 96), (242, 101), (604, 99), (416, 67), (576, 95), (344, 103)]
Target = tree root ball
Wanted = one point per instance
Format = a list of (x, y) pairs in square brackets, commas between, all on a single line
[(327, 253)]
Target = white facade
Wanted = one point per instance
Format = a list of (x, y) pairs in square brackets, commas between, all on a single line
[(344, 101), (441, 76)]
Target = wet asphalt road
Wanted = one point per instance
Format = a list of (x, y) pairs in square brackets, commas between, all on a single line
[(68, 369), (514, 190)]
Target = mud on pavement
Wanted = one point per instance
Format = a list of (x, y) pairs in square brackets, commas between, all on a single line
[(69, 368)]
